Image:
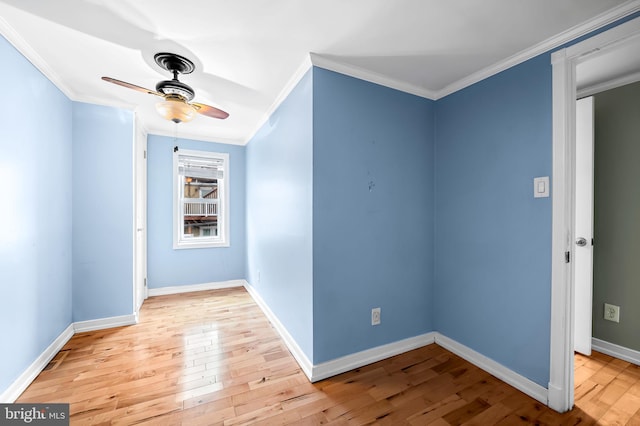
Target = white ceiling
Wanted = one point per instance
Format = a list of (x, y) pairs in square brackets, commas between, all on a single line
[(248, 53)]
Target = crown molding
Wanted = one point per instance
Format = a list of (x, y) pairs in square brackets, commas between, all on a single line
[(330, 64), (286, 90), (606, 18), (25, 49), (322, 61)]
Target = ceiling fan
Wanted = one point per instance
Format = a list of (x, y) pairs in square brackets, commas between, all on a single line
[(177, 105)]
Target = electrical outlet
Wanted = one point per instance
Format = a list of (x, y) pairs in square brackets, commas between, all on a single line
[(611, 312), (375, 316)]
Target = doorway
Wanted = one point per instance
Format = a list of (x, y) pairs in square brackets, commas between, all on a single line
[(617, 203), (593, 54)]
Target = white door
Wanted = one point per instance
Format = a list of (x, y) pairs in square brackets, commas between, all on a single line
[(583, 264), (140, 262)]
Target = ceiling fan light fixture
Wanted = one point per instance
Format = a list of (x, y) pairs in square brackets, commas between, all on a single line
[(176, 110)]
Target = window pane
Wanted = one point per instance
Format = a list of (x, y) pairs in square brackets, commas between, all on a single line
[(201, 202)]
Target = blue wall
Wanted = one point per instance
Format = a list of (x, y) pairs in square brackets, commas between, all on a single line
[(169, 267), (279, 216), (35, 214), (493, 239), (102, 212), (372, 214)]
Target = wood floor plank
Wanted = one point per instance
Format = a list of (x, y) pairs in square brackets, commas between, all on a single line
[(212, 358), (492, 415)]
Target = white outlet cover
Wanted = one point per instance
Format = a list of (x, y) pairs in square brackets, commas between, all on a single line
[(375, 316), (611, 312)]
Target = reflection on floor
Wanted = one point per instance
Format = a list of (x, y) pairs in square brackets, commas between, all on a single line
[(212, 358)]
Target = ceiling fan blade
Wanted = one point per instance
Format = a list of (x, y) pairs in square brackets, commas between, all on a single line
[(132, 86), (209, 111)]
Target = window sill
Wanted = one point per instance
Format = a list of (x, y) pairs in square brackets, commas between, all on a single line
[(200, 244)]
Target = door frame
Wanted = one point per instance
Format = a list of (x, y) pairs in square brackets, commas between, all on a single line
[(140, 290), (564, 62)]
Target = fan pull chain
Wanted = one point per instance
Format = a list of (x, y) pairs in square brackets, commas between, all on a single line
[(175, 132)]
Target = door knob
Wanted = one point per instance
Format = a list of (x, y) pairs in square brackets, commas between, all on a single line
[(581, 242)]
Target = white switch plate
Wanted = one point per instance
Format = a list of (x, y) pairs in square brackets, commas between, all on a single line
[(541, 187)]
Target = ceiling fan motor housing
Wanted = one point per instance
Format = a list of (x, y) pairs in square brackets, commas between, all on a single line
[(175, 87)]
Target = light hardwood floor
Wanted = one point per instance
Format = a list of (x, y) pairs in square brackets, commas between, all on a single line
[(212, 358)]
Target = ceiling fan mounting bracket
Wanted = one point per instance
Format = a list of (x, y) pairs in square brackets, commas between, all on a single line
[(174, 63)]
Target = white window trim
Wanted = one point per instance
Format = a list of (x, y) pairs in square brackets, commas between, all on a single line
[(223, 238)]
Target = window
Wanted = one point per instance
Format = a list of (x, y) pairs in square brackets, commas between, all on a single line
[(200, 199)]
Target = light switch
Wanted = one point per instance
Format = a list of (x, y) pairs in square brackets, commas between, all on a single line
[(541, 187)]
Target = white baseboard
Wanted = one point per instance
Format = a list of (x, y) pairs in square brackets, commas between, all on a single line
[(162, 291), (503, 373), (103, 323), (25, 379), (616, 351), (289, 341), (558, 399), (349, 362), (319, 371), (369, 356), (313, 372), (17, 387)]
